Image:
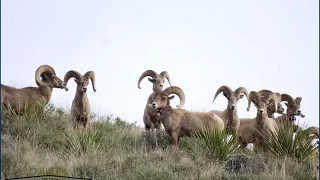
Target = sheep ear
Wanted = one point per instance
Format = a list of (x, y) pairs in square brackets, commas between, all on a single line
[(298, 100), (241, 96), (151, 80), (171, 97)]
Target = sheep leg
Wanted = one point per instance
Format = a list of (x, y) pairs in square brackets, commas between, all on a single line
[(85, 122), (174, 141)]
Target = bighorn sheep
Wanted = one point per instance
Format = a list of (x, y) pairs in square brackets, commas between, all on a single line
[(230, 115), (293, 109), (150, 116), (270, 109), (80, 109), (249, 131), (180, 122), (17, 98)]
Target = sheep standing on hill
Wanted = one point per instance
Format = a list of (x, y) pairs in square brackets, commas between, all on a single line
[(230, 115), (250, 128), (17, 98), (270, 109), (80, 109), (180, 122), (150, 116)]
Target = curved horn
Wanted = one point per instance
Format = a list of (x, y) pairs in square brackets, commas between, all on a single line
[(253, 95), (151, 73), (178, 91), (166, 75), (41, 69), (288, 98), (265, 93), (274, 97), (241, 90), (70, 74), (224, 89), (90, 75)]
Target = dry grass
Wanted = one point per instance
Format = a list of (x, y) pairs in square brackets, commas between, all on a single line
[(43, 143)]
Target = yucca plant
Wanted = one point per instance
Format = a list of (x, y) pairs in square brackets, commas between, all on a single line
[(212, 144), (78, 143), (286, 144)]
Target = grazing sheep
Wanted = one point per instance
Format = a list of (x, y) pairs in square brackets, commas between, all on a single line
[(17, 98), (80, 109), (230, 115), (180, 122), (250, 128), (150, 116), (271, 110)]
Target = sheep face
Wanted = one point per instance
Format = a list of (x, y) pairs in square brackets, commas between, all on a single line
[(261, 103), (232, 96), (271, 107), (261, 106), (82, 84), (161, 101), (52, 80), (293, 108), (233, 99), (156, 79), (157, 83)]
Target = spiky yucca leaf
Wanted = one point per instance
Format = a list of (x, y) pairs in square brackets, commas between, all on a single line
[(212, 144), (285, 144), (77, 143)]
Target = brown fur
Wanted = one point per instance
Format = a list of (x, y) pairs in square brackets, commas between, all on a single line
[(17, 98), (249, 131), (180, 122), (271, 108), (230, 115), (293, 109), (150, 116), (80, 108)]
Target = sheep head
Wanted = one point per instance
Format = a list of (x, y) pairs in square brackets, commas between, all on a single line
[(262, 103), (293, 106), (271, 108), (162, 99), (232, 96), (46, 76), (82, 81), (156, 79)]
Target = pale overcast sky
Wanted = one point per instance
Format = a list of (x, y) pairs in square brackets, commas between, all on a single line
[(202, 44)]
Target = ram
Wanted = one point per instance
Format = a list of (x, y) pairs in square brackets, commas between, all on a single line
[(270, 109), (80, 108), (18, 98), (180, 122), (150, 116), (250, 128), (230, 115), (293, 110)]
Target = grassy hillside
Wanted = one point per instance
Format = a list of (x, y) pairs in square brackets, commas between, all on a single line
[(43, 142)]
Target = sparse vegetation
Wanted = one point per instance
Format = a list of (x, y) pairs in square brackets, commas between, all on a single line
[(44, 143)]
